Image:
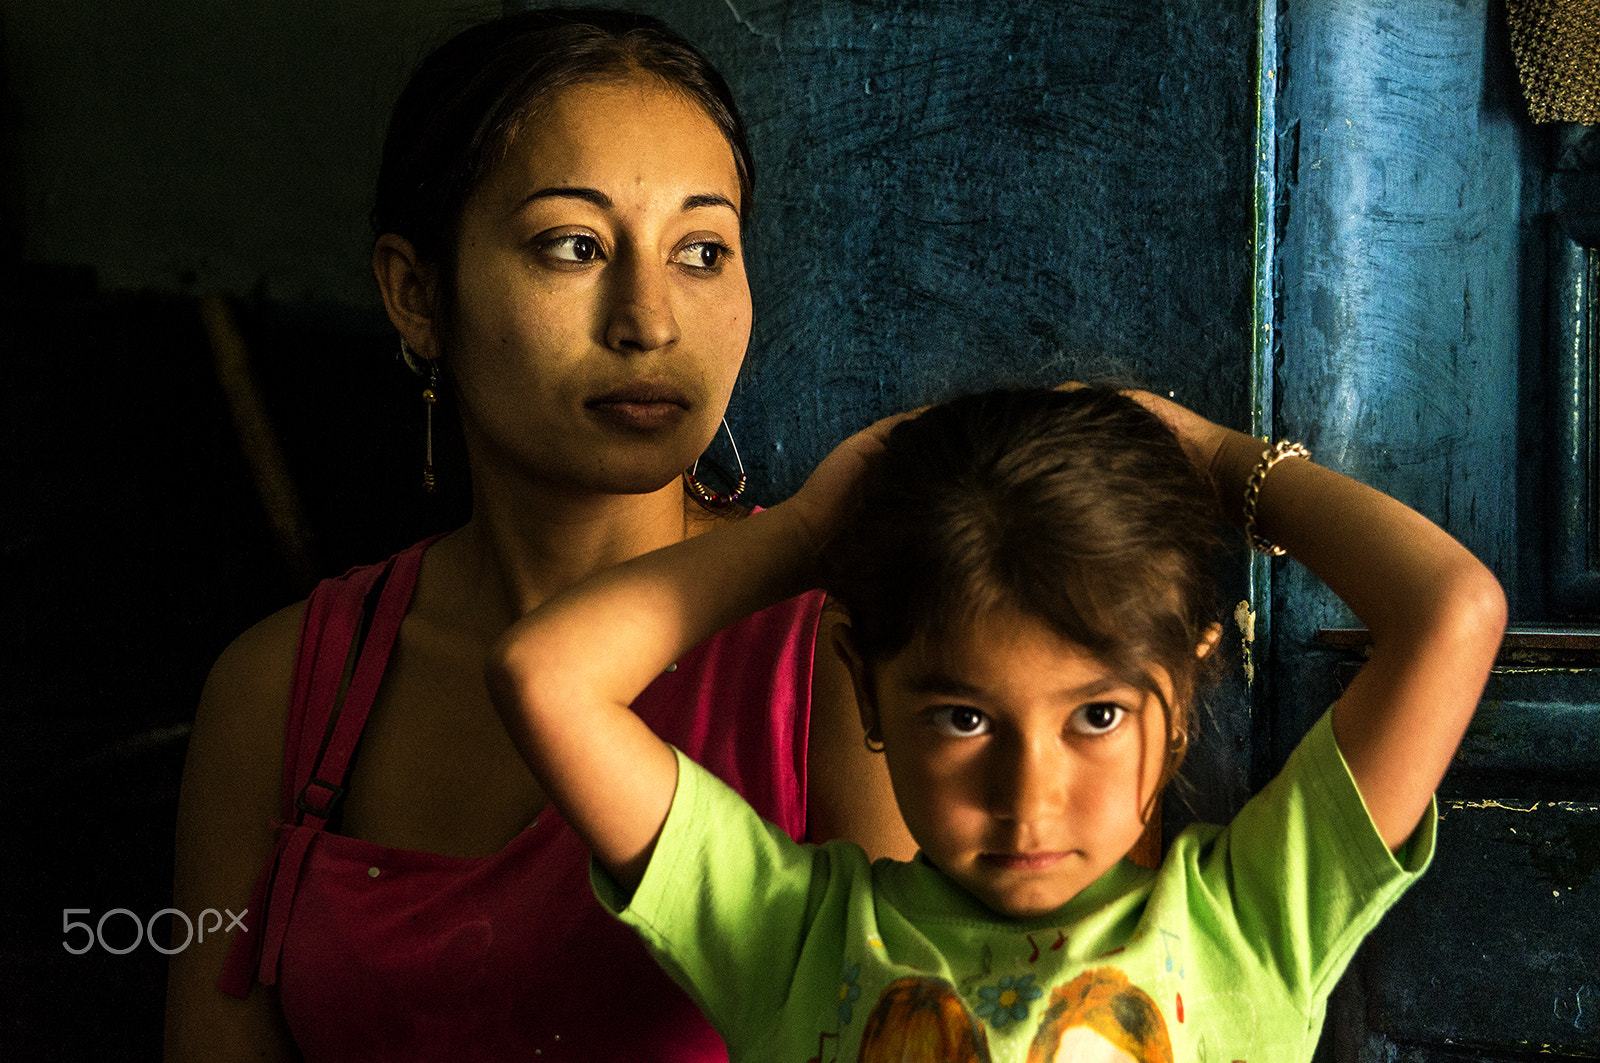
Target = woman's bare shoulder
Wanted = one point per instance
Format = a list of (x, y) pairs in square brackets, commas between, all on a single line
[(241, 719), (227, 813), (255, 671)]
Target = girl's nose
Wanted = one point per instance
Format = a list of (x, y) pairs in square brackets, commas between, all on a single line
[(1026, 783), (639, 314)]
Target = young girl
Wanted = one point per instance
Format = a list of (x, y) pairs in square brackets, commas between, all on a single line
[(1030, 620)]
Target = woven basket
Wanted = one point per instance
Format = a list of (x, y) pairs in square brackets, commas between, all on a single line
[(1557, 45)]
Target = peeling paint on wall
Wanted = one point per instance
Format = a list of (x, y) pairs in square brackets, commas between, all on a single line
[(1245, 618)]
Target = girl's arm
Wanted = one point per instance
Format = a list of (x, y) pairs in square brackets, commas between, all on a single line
[(1435, 613), (564, 676)]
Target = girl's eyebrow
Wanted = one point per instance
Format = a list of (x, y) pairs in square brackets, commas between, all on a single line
[(935, 682), (943, 684), (698, 201)]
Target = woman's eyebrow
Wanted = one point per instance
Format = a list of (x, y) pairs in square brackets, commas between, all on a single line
[(699, 201), (708, 199), (588, 195)]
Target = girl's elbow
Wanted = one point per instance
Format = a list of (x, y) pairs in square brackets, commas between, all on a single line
[(1480, 609)]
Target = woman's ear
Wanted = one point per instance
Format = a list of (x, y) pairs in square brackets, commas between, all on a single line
[(409, 288), (844, 645), (1209, 640)]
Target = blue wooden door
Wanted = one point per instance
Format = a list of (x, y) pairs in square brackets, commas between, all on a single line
[(1434, 338)]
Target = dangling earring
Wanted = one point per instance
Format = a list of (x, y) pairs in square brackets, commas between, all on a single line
[(430, 399), (707, 496), (428, 368), (873, 740)]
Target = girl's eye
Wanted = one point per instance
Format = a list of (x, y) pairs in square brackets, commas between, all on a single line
[(959, 721), (574, 248), (1099, 718), (705, 255)]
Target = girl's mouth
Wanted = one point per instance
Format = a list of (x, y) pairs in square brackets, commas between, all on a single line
[(1038, 861)]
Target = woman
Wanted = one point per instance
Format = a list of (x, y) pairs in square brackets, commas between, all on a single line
[(559, 214)]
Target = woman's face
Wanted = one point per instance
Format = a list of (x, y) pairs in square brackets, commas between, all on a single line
[(602, 307)]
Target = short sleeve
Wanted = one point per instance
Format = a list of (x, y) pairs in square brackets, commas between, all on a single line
[(1305, 871), (723, 903)]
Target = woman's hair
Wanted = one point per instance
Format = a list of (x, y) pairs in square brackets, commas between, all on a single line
[(1077, 508), (922, 1018), (462, 109), (1119, 1012)]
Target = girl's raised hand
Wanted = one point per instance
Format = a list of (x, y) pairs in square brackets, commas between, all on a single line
[(1201, 439), (826, 496), (1219, 453), (1435, 614)]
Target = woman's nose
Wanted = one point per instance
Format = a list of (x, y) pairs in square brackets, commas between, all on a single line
[(639, 313)]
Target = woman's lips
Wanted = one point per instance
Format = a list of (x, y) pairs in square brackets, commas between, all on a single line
[(641, 408)]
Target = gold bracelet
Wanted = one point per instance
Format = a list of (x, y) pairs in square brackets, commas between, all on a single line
[(1252, 490)]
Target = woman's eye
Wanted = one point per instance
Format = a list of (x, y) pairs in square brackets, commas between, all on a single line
[(959, 721), (705, 255), (1101, 717), (574, 248)]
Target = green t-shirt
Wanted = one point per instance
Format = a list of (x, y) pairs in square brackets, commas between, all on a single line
[(1227, 952)]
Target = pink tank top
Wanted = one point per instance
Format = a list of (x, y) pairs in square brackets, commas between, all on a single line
[(391, 954)]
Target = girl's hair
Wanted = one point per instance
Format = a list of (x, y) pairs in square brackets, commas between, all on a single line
[(1077, 508), (462, 109)]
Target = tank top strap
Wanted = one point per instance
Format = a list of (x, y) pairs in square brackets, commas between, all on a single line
[(350, 628)]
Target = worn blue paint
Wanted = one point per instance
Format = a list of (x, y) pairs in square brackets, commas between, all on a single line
[(1411, 281), (1498, 946), (1400, 293), (1573, 576)]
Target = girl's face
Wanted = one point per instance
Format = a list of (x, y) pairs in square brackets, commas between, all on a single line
[(1021, 764), (603, 309)]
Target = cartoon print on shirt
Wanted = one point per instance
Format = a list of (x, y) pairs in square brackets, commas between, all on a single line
[(849, 993), (1008, 1000), (922, 1018), (1101, 1017), (1061, 939)]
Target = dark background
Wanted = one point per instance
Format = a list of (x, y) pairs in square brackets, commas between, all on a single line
[(949, 195)]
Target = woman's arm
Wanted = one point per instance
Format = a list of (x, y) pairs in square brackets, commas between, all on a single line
[(226, 814), (1435, 613), (564, 676)]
